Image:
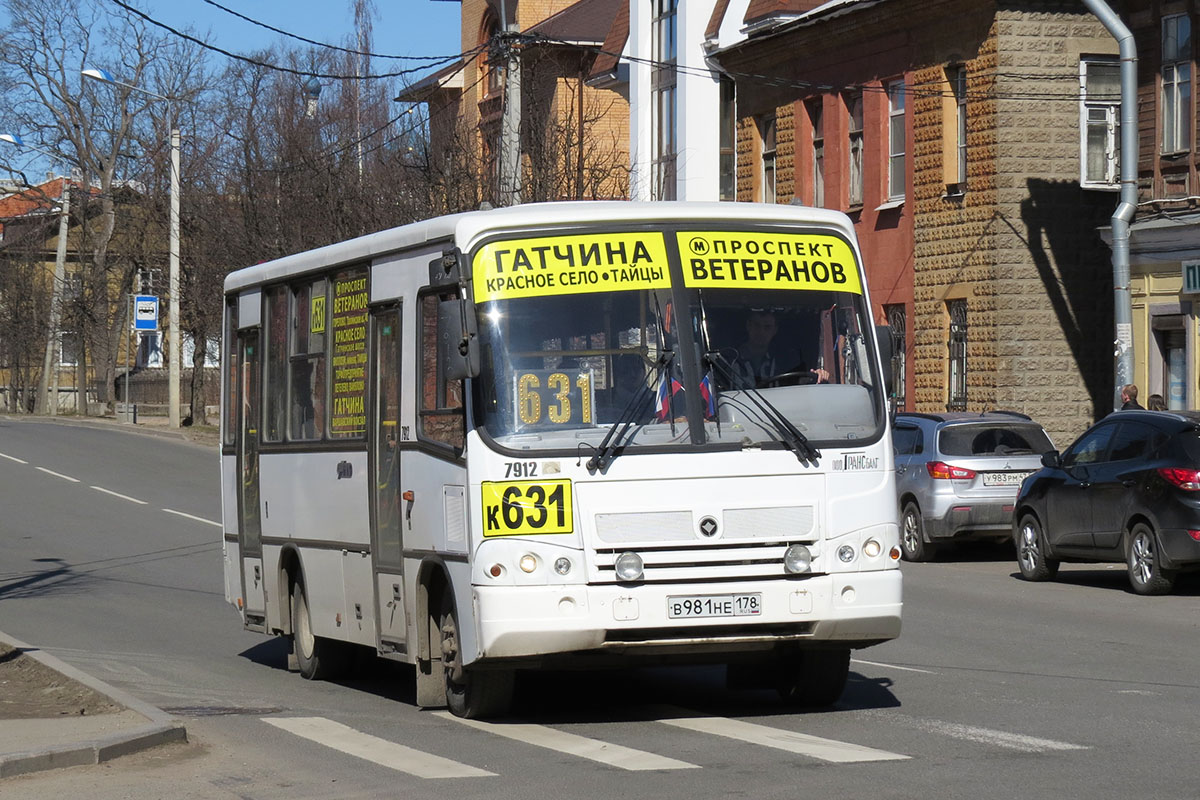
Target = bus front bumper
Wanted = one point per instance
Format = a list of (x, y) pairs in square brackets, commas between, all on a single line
[(850, 609)]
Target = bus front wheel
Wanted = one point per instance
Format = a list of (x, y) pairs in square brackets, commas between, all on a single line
[(813, 678), (471, 693)]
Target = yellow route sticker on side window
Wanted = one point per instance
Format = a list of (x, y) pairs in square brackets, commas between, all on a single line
[(552, 265), (521, 508), (767, 260)]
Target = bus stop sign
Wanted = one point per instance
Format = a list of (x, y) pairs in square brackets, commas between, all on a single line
[(145, 312)]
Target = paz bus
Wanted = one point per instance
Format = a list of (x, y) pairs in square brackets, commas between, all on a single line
[(526, 438)]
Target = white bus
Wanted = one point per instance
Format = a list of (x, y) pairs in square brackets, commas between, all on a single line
[(565, 434)]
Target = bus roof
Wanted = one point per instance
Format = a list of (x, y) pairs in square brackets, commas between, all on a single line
[(464, 229)]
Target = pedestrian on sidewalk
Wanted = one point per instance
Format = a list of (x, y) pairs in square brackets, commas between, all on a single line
[(1129, 393)]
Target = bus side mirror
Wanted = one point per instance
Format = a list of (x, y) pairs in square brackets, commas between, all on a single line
[(458, 339), (444, 270), (883, 338)]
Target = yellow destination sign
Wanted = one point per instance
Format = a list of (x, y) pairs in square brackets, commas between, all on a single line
[(552, 265), (767, 260), (521, 508)]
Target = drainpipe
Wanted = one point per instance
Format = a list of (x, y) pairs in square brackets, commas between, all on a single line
[(1122, 301)]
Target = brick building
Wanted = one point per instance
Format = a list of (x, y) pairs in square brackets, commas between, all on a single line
[(950, 131), (574, 137)]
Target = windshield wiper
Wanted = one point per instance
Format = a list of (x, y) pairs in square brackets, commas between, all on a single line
[(777, 422), (606, 453)]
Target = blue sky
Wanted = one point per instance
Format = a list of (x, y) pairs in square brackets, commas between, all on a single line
[(401, 27)]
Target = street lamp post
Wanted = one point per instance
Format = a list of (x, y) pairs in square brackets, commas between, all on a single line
[(44, 403), (173, 352)]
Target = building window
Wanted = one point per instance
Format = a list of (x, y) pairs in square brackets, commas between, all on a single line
[(69, 348), (767, 130), (958, 355), (728, 140), (816, 116), (1100, 123), (663, 89), (896, 132), (956, 182), (897, 321), (854, 105), (1176, 83)]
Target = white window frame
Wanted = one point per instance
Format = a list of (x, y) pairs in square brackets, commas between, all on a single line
[(959, 87), (62, 349), (897, 132), (664, 26), (1176, 96), (1095, 113)]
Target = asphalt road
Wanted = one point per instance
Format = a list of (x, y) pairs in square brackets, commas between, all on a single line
[(997, 688)]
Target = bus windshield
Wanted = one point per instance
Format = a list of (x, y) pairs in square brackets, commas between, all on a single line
[(694, 360)]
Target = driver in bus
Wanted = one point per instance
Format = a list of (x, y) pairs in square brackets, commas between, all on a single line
[(757, 361)]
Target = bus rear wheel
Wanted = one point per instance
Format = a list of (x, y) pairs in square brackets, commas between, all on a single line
[(317, 657), (471, 693), (812, 678)]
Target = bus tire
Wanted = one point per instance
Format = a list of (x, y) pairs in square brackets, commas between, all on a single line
[(471, 693), (813, 678), (317, 658)]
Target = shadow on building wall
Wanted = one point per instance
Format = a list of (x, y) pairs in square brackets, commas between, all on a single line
[(1075, 267)]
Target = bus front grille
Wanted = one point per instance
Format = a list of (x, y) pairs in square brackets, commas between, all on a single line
[(700, 562)]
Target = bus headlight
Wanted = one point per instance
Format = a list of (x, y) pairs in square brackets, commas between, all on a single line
[(846, 553), (629, 567), (528, 563), (562, 565), (797, 559), (872, 548)]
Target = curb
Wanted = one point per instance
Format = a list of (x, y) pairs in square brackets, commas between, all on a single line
[(160, 727)]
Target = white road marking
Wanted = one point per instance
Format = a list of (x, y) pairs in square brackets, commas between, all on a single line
[(788, 741), (892, 666), (371, 748), (59, 475), (13, 458), (189, 516), (614, 755), (1012, 741), (122, 496)]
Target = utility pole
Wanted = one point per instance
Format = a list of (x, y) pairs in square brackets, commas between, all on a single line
[(60, 275), (510, 123)]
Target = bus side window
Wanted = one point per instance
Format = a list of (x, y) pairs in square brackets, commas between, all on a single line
[(275, 381), (441, 417)]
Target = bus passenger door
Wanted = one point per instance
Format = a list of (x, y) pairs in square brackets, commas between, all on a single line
[(387, 507), (249, 504)]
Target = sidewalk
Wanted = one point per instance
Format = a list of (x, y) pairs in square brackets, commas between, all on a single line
[(205, 436), (36, 744)]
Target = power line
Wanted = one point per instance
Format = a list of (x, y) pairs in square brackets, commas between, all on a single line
[(278, 68), (323, 44)]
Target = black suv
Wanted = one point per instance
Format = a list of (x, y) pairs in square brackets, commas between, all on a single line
[(1127, 490)]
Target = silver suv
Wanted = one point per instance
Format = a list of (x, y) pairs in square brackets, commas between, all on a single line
[(957, 475)]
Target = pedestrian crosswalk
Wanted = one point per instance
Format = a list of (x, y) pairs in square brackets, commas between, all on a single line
[(776, 737)]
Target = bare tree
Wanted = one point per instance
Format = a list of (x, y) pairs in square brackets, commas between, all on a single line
[(42, 55)]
